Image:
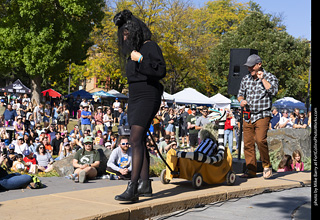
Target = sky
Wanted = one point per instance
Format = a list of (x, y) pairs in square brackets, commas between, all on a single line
[(296, 14)]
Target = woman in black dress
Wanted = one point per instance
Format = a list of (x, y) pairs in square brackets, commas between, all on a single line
[(145, 66)]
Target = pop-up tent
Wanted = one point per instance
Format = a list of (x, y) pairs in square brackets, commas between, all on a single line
[(117, 94), (16, 87), (52, 93), (167, 97), (191, 96), (82, 93), (289, 103), (102, 94), (220, 101)]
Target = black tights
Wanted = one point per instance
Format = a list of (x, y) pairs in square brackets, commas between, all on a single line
[(140, 154)]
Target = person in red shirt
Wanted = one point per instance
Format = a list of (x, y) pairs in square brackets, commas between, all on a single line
[(29, 159), (228, 131)]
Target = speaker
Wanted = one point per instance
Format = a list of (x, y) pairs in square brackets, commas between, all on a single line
[(237, 70)]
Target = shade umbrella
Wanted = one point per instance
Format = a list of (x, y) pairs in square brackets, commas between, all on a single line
[(52, 93)]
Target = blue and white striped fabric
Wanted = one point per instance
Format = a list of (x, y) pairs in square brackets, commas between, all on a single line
[(200, 156), (206, 147)]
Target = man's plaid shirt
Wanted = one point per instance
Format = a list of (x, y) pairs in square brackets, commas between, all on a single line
[(259, 99)]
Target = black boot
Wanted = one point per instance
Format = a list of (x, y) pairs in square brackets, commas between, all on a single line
[(144, 188), (131, 193)]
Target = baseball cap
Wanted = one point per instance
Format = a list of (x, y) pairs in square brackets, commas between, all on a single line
[(11, 146), (88, 139), (253, 60), (27, 153), (66, 143)]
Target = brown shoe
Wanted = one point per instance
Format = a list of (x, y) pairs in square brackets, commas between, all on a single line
[(248, 174)]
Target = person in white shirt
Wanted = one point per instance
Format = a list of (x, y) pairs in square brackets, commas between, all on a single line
[(285, 121), (120, 160), (116, 106), (20, 146), (38, 112)]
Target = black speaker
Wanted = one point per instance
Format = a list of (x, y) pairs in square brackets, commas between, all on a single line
[(237, 70)]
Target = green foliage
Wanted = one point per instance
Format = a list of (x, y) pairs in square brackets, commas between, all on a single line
[(283, 55), (41, 36), (157, 166)]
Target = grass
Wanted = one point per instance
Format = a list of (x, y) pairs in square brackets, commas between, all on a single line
[(157, 167)]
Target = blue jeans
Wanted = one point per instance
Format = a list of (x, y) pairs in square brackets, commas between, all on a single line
[(15, 181), (228, 137)]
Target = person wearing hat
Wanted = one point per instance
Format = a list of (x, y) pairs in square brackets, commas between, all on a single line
[(255, 96), (85, 118), (29, 159), (86, 161), (116, 105), (19, 126), (274, 122), (301, 121), (20, 147), (98, 120)]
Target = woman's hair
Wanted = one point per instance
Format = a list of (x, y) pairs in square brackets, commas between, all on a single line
[(38, 148), (285, 162), (136, 30), (294, 154)]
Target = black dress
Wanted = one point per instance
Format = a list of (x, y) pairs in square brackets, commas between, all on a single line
[(145, 90)]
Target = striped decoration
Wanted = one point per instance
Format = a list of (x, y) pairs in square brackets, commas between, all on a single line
[(203, 157)]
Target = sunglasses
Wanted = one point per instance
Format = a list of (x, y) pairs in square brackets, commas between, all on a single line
[(123, 144)]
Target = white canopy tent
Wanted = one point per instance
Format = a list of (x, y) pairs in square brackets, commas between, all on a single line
[(220, 101), (191, 96), (167, 97)]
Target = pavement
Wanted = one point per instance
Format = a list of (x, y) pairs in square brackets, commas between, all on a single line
[(95, 199), (284, 204)]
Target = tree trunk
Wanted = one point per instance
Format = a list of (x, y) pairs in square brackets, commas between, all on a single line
[(36, 88)]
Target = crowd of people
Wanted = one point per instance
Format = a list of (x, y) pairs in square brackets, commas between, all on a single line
[(33, 136)]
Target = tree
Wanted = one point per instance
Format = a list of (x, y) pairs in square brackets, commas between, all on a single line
[(283, 55), (41, 36)]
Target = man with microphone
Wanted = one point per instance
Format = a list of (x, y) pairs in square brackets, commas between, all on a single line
[(255, 95)]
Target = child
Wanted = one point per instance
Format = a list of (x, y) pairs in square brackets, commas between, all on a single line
[(297, 164), (18, 165), (285, 164)]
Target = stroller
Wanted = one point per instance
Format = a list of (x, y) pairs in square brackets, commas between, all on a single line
[(198, 167)]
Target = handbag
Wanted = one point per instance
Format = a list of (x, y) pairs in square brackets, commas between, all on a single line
[(124, 130)]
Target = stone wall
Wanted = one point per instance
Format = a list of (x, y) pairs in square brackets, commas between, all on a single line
[(286, 140), (64, 167)]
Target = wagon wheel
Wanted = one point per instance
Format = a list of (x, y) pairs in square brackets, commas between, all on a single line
[(231, 178), (163, 178), (197, 180)]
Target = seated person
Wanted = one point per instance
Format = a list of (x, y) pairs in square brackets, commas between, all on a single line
[(86, 162), (44, 159), (120, 160), (163, 144), (29, 159), (13, 180), (47, 145), (11, 155), (18, 165), (172, 145)]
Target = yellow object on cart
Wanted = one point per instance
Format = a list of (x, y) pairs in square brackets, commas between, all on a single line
[(212, 174)]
